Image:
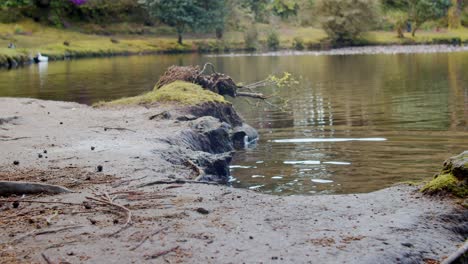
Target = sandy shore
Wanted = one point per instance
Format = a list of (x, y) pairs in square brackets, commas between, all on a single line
[(64, 143)]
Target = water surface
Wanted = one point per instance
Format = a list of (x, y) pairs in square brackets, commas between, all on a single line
[(354, 123)]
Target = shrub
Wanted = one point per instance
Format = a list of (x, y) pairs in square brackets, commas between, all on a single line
[(345, 20), (298, 43), (273, 41), (251, 38)]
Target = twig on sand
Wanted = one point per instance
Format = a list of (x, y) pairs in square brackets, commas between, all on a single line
[(114, 128), (161, 253), (178, 181), (43, 232), (12, 139), (107, 200), (148, 237), (47, 259), (8, 188)]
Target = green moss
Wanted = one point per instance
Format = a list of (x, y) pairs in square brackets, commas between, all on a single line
[(446, 183), (181, 92)]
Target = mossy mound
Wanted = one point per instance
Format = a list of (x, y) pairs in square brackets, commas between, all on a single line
[(446, 183), (179, 92), (453, 178)]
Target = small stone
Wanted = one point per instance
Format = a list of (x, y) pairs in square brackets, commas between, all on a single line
[(93, 221), (16, 204), (61, 123), (16, 162), (93, 148), (99, 168), (87, 205), (203, 211), (274, 258), (71, 253), (250, 237), (39, 155), (116, 221), (45, 151)]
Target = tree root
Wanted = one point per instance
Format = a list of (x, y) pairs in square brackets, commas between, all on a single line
[(162, 253), (107, 200), (8, 188)]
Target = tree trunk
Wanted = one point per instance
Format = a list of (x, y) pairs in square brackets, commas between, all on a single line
[(415, 28), (179, 40)]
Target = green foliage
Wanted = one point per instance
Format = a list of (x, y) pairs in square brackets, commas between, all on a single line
[(298, 43), (197, 15), (15, 3), (420, 11), (345, 20), (284, 8), (258, 7), (273, 40)]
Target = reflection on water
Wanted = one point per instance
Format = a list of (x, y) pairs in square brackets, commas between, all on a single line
[(353, 124)]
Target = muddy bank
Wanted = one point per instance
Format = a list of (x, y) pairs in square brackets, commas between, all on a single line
[(65, 143)]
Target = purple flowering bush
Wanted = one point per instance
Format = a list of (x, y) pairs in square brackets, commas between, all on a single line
[(78, 2)]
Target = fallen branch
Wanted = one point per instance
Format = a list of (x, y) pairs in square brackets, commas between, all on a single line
[(179, 181), (43, 232), (162, 253), (148, 237), (252, 95), (8, 188), (38, 202), (458, 256), (12, 139)]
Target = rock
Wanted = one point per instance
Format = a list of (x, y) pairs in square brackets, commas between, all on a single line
[(240, 132), (99, 168), (221, 111), (203, 211), (458, 166), (16, 162), (211, 135)]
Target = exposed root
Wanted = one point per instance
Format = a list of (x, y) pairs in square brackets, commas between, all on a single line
[(148, 237), (8, 188), (43, 232)]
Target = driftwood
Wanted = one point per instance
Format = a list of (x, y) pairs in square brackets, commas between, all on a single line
[(216, 82), (8, 188)]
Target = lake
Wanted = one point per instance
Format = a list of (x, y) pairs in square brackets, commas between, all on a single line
[(353, 123)]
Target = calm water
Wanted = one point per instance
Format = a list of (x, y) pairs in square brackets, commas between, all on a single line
[(354, 123)]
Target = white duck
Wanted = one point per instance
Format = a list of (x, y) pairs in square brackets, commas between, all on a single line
[(40, 58)]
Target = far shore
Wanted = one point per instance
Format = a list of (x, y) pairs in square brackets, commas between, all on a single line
[(24, 60)]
